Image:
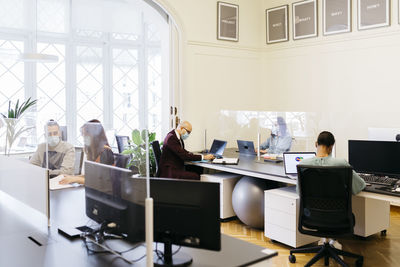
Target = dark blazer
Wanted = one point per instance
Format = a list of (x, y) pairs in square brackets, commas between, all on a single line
[(173, 157)]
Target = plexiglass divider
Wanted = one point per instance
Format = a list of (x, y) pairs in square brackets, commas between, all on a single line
[(274, 132)]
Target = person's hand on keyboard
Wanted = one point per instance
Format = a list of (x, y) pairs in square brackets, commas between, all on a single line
[(69, 179)]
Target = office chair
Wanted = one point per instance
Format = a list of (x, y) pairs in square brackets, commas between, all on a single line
[(157, 154), (63, 130), (121, 160), (78, 160), (122, 142), (325, 210)]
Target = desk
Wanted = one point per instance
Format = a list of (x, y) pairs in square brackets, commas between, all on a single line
[(249, 166), (67, 208)]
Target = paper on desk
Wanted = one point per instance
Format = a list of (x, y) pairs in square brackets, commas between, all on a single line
[(226, 161), (54, 183)]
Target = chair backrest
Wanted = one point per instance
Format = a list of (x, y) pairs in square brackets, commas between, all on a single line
[(78, 160), (63, 130), (122, 142), (157, 154), (325, 200), (121, 160)]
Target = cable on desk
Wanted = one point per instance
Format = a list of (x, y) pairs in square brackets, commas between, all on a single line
[(160, 254)]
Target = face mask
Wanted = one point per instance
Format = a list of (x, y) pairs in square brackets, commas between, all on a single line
[(185, 136), (87, 141), (274, 131), (53, 140)]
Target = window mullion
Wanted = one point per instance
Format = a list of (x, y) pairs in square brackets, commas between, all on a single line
[(107, 86), (70, 90), (142, 56)]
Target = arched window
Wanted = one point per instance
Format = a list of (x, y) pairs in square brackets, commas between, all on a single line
[(113, 62)]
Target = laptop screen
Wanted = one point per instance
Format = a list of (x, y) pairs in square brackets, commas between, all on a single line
[(291, 159), (246, 147), (218, 147)]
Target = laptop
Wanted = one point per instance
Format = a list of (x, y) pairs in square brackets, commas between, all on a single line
[(217, 148), (291, 159), (246, 147)]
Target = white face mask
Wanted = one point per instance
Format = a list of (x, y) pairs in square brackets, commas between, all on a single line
[(53, 140), (87, 141), (185, 136)]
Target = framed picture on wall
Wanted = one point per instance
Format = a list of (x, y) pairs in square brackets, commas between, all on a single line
[(337, 16), (228, 22), (304, 19), (373, 14), (277, 24)]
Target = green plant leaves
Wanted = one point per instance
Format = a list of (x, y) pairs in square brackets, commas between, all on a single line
[(138, 151), (19, 109), (136, 138), (152, 137)]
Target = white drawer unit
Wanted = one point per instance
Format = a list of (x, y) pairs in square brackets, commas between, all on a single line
[(372, 215), (371, 212), (281, 215), (227, 183)]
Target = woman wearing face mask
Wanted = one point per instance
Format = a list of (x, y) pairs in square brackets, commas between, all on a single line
[(96, 148), (280, 140), (61, 154)]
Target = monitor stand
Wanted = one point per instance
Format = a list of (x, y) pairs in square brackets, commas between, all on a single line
[(168, 259)]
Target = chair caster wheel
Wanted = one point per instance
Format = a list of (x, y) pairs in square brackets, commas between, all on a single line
[(383, 233), (292, 258), (359, 262)]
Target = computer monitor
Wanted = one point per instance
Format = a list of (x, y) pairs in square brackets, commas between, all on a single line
[(186, 212), (375, 157), (218, 147), (112, 196)]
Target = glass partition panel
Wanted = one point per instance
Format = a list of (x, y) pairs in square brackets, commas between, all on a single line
[(271, 131), (302, 127)]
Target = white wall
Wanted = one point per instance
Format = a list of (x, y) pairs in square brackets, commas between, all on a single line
[(217, 74), (350, 79)]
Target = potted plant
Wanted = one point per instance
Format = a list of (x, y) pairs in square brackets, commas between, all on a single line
[(137, 150), (12, 119)]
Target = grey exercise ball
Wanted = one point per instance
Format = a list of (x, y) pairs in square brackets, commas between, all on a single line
[(248, 201)]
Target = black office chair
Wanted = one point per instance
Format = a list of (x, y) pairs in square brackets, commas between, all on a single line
[(78, 160), (122, 142), (157, 154), (325, 210), (121, 160)]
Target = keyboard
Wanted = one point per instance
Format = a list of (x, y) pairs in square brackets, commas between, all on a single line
[(374, 179)]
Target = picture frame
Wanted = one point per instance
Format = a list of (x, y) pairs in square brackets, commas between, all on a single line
[(336, 16), (277, 24), (305, 19), (373, 14), (228, 22)]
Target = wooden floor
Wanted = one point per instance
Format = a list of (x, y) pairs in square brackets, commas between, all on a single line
[(378, 251)]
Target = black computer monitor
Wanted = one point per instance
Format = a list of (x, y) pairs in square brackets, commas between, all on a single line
[(375, 157), (186, 212), (113, 197)]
